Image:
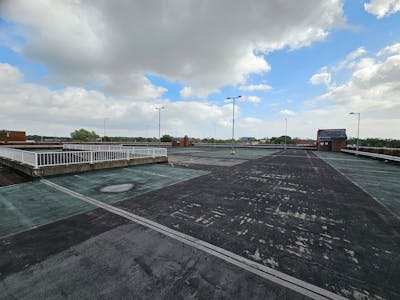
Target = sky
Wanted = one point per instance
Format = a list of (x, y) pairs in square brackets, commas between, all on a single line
[(73, 64)]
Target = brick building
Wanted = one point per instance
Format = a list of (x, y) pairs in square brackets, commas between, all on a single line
[(180, 142), (331, 139), (7, 136)]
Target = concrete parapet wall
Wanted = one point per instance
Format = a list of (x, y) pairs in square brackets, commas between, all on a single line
[(76, 168)]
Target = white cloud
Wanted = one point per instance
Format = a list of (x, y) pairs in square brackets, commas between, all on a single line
[(9, 74), (113, 45), (373, 89), (322, 77), (255, 87), (250, 99), (382, 8), (392, 49), (356, 54), (186, 92), (32, 107), (287, 112), (351, 59)]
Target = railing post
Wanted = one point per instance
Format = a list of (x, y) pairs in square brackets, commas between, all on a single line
[(154, 153), (36, 161), (91, 157), (127, 154)]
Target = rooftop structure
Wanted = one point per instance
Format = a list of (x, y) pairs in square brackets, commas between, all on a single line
[(9, 136), (331, 139)]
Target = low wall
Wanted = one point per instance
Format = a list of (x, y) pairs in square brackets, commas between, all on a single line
[(76, 168), (20, 167), (269, 146), (378, 150)]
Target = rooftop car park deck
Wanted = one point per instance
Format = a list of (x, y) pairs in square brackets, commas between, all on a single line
[(268, 224)]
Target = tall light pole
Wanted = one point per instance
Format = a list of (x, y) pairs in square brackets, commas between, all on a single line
[(215, 134), (159, 108), (233, 121), (285, 131), (358, 127), (104, 128)]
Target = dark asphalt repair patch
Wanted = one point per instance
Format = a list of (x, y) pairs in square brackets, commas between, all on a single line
[(296, 214), (19, 251)]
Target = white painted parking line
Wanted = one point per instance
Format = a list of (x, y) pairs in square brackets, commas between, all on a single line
[(275, 276)]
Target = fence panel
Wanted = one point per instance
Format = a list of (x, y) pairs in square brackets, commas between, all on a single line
[(81, 155), (22, 156)]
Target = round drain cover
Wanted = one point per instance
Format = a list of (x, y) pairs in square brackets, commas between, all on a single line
[(117, 188)]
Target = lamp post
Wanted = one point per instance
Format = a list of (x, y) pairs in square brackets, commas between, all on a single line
[(233, 121), (104, 128), (159, 108), (285, 132), (358, 127)]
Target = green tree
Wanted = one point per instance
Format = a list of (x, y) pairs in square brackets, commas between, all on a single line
[(281, 140), (166, 138), (84, 135), (3, 133)]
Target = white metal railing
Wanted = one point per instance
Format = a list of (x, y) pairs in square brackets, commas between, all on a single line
[(133, 151), (378, 148), (22, 156), (43, 159), (370, 154), (91, 147)]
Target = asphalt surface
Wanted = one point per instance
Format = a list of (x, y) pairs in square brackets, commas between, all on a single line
[(290, 211), (9, 177)]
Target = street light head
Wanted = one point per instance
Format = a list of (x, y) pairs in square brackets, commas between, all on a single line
[(351, 113), (228, 98), (239, 96)]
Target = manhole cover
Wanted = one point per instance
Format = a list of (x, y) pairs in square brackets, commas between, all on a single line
[(117, 188)]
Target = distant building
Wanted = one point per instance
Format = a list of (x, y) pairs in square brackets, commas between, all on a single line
[(305, 142), (180, 142), (331, 139), (247, 139), (8, 136)]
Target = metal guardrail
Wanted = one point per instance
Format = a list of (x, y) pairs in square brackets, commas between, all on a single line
[(90, 147), (370, 154), (25, 157), (45, 159), (269, 146), (375, 148)]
